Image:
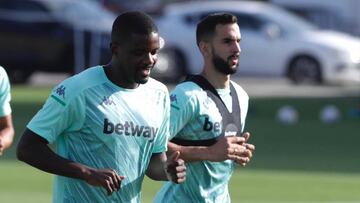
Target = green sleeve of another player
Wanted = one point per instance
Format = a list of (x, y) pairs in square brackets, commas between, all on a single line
[(58, 116), (183, 107), (5, 97), (163, 135)]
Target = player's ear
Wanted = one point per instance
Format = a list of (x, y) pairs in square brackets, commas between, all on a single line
[(114, 47), (204, 48)]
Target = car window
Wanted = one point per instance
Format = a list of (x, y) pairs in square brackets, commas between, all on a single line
[(287, 21), (245, 21), (20, 5), (83, 14), (5, 4), (248, 22), (24, 11), (323, 18), (194, 18)]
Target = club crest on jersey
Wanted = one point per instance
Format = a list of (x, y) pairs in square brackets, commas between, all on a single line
[(107, 101)]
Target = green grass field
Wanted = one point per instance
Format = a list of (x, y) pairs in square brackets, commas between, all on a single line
[(306, 162), (21, 183)]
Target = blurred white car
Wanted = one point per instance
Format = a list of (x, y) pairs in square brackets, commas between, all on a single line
[(274, 43)]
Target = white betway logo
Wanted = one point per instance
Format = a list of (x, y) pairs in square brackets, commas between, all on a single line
[(128, 128)]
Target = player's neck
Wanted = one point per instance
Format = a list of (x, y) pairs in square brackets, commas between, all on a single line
[(216, 79), (115, 77)]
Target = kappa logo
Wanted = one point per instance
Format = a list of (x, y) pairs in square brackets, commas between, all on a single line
[(128, 128), (173, 98), (173, 101), (60, 91)]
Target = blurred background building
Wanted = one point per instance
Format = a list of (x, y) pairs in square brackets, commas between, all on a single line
[(70, 35)]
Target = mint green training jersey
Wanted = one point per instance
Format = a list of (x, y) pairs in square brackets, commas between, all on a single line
[(5, 96), (195, 116), (99, 124)]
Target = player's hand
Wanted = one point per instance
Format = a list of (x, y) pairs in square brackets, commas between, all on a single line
[(175, 168), (106, 178), (234, 148), (224, 148), (244, 154), (1, 147)]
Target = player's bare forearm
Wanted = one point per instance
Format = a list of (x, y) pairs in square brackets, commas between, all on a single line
[(233, 148), (6, 138), (156, 167), (6, 132), (34, 150), (170, 169), (190, 153)]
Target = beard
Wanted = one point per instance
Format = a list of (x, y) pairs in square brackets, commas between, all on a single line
[(223, 66)]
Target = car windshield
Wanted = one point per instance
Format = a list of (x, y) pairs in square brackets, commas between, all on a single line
[(79, 12), (84, 10), (289, 22)]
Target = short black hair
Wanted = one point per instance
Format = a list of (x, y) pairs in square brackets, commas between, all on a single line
[(132, 22), (205, 29)]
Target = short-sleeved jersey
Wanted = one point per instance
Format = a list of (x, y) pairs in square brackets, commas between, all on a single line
[(97, 123), (195, 116), (5, 96)]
